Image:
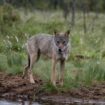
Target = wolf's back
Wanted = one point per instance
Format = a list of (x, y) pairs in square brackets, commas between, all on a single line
[(43, 42)]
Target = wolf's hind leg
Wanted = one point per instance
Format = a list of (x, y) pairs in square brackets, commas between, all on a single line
[(26, 68)]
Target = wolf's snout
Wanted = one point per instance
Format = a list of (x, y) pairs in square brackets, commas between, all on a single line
[(60, 50)]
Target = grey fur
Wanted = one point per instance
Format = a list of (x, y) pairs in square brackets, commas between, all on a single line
[(46, 44)]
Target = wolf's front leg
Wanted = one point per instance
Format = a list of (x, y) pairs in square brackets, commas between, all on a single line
[(31, 79), (53, 73), (62, 72), (33, 58)]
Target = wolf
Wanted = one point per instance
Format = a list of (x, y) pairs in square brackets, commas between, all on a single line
[(56, 46)]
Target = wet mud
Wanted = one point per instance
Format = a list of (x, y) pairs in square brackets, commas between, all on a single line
[(14, 87)]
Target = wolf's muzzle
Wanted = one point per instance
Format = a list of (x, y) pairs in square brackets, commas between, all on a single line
[(59, 50)]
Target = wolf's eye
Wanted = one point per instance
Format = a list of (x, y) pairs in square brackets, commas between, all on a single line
[(58, 42), (64, 42)]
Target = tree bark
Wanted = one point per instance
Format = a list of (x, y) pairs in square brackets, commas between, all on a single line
[(73, 12), (84, 20)]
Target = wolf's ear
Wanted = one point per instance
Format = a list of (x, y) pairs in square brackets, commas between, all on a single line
[(67, 33)]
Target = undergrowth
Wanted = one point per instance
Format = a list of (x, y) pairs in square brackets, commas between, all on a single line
[(16, 27)]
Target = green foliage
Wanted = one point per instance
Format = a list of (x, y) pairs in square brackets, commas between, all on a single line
[(94, 71), (91, 5), (15, 62), (78, 71), (3, 62), (49, 87), (14, 58), (11, 62), (8, 18)]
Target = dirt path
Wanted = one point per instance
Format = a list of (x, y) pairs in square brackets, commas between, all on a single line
[(14, 87)]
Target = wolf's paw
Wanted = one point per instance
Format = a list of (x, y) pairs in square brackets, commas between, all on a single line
[(32, 81)]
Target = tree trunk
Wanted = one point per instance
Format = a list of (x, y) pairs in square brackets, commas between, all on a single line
[(73, 12), (84, 20)]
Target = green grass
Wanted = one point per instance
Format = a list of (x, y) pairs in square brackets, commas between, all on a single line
[(13, 36)]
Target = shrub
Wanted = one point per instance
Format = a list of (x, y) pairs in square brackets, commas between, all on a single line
[(8, 17)]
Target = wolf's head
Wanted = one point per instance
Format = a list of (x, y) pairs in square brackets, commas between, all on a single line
[(61, 41)]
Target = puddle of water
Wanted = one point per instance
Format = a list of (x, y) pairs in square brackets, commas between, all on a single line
[(66, 102), (5, 102), (60, 100)]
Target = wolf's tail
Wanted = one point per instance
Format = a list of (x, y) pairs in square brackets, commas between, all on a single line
[(28, 61)]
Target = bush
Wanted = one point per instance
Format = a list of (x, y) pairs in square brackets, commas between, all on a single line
[(3, 62), (8, 17)]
